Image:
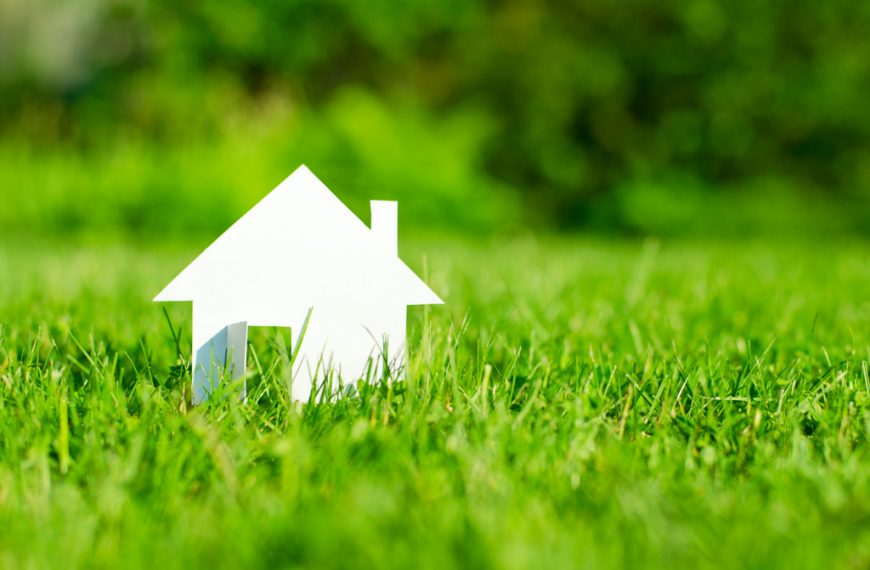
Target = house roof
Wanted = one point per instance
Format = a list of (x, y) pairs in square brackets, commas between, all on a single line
[(299, 243)]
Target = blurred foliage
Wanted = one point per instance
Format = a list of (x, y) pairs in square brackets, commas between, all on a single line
[(636, 116), (360, 148)]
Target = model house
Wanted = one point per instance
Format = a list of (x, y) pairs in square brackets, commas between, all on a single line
[(301, 259)]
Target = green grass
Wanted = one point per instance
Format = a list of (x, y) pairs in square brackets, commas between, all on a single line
[(576, 403)]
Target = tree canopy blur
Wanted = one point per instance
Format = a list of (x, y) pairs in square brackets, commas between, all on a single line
[(663, 116)]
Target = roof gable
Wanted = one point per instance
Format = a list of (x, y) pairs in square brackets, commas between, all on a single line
[(299, 244)]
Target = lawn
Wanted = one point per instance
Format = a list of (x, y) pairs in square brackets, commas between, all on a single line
[(576, 403)]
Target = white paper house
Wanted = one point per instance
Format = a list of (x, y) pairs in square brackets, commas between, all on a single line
[(301, 249)]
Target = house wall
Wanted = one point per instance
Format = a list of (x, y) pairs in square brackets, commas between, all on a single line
[(352, 345), (348, 341)]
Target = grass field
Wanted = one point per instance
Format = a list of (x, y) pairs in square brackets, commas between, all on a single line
[(576, 403)]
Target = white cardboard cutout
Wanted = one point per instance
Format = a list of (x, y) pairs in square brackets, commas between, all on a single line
[(301, 255)]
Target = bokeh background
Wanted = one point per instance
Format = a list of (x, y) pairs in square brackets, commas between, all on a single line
[(662, 117)]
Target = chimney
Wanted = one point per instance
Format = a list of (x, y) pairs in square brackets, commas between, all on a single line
[(385, 225)]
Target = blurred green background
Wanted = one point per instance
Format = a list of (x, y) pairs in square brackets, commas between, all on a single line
[(663, 117)]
